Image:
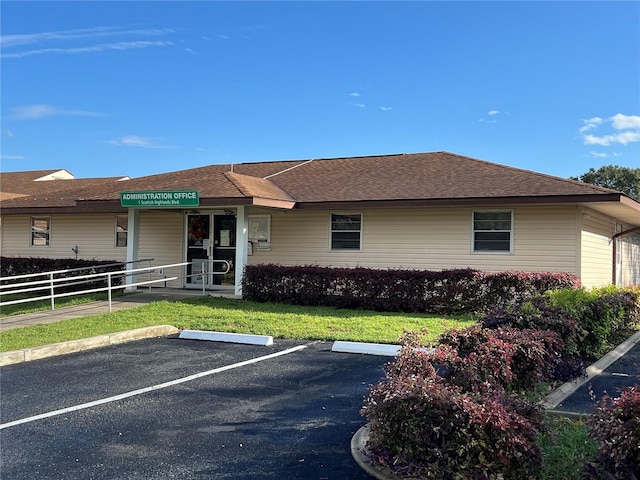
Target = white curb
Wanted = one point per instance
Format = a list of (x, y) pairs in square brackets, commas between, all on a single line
[(368, 348), (555, 398), (72, 346), (226, 337)]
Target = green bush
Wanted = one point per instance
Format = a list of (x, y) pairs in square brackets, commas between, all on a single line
[(603, 313), (15, 266), (588, 320)]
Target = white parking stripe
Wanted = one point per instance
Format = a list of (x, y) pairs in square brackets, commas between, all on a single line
[(160, 386)]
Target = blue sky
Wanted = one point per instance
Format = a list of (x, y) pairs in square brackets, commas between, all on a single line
[(136, 88)]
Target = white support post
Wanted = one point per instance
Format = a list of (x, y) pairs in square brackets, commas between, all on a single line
[(133, 243), (242, 239)]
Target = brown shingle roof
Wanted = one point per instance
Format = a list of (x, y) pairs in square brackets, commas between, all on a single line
[(439, 175), (21, 183), (260, 188), (211, 181), (22, 189), (413, 179)]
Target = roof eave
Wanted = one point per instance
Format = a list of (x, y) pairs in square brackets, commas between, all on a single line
[(473, 201), (273, 203)]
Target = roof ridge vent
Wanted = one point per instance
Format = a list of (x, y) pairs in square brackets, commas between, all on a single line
[(287, 169)]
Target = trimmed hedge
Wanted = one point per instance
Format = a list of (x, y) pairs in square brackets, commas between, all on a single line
[(13, 266), (414, 291)]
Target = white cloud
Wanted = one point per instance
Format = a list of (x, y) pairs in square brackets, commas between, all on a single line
[(41, 43), (628, 127), (622, 122), (136, 141), (386, 109), (33, 38), (359, 105), (491, 116), (223, 37), (354, 94), (606, 140), (30, 112), (13, 157), (65, 35), (191, 51), (119, 46), (590, 124), (598, 154)]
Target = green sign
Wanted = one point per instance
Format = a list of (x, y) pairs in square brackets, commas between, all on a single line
[(160, 198)]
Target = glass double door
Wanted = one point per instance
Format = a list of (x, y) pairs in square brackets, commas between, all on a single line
[(211, 238)]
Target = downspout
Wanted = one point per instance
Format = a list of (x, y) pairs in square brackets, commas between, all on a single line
[(615, 249)]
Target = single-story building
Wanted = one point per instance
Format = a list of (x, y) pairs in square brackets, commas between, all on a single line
[(427, 211)]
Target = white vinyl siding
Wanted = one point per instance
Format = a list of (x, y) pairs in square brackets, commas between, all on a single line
[(91, 233), (630, 259), (555, 238), (597, 249), (162, 238), (544, 239)]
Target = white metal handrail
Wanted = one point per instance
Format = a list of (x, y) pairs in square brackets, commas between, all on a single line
[(51, 283), (68, 270)]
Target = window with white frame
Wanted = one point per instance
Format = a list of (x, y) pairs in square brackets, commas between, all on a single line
[(40, 231), (346, 231), (492, 231), (260, 231), (122, 226)]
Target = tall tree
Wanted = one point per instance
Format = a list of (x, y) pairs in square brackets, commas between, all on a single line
[(623, 179)]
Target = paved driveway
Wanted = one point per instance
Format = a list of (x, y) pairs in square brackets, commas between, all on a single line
[(169, 408), (623, 373)]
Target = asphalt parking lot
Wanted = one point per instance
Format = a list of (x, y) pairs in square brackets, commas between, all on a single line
[(623, 373), (169, 408)]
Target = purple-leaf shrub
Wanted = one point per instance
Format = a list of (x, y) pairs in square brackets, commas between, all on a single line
[(616, 425), (440, 426), (447, 291)]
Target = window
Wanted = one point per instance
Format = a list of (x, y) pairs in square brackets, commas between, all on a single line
[(122, 224), (40, 231), (260, 231), (346, 231), (492, 231)]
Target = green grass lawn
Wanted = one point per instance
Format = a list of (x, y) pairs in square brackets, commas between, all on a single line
[(566, 449), (239, 316)]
